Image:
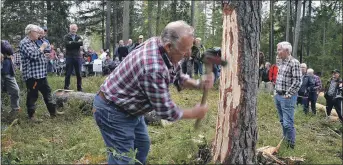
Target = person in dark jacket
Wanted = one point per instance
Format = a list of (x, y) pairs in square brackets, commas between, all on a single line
[(333, 87), (306, 87), (8, 78), (73, 42), (122, 50)]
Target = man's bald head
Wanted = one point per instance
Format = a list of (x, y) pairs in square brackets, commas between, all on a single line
[(174, 31)]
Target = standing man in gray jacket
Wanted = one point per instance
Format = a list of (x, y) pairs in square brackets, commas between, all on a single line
[(73, 42)]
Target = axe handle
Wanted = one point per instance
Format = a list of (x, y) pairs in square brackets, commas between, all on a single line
[(208, 68), (203, 102)]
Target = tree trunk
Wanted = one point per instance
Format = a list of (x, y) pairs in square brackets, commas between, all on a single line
[(287, 21), (205, 24), (297, 30), (114, 27), (158, 17), (174, 11), (126, 20), (192, 13), (150, 3), (108, 23), (309, 25), (271, 34), (236, 130), (103, 25), (49, 14), (302, 33), (213, 10)]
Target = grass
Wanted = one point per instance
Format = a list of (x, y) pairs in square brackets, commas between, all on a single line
[(75, 138)]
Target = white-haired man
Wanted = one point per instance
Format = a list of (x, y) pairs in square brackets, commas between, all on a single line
[(313, 93), (287, 84), (35, 72), (141, 84), (307, 85)]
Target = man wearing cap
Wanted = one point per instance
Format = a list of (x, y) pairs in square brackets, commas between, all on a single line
[(332, 88)]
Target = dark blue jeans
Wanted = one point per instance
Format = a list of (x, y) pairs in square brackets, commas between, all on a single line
[(122, 132), (73, 63), (285, 108)]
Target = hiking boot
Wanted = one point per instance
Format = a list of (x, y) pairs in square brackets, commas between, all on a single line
[(35, 120), (57, 113)]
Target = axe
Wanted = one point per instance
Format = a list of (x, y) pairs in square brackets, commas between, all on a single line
[(210, 57)]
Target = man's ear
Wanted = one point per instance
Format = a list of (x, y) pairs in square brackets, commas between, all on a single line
[(167, 47)]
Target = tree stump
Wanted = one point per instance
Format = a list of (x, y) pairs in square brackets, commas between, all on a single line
[(236, 133)]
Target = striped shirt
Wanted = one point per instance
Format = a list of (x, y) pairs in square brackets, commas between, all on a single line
[(289, 76), (140, 83), (33, 60)]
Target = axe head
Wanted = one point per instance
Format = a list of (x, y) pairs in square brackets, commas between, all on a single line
[(213, 56)]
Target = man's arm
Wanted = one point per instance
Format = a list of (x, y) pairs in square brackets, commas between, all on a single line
[(72, 44), (296, 79), (27, 51), (156, 88)]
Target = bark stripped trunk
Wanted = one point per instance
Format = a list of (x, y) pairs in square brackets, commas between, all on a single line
[(236, 133)]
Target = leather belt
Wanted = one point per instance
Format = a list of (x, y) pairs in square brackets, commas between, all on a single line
[(102, 96), (281, 92)]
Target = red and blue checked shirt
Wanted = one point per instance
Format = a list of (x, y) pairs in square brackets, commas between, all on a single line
[(140, 83), (289, 76), (33, 60)]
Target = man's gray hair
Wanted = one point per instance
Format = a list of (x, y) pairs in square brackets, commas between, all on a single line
[(31, 27), (303, 65), (310, 71), (175, 30), (73, 24), (286, 45)]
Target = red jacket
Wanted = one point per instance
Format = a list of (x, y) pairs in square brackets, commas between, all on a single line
[(273, 71)]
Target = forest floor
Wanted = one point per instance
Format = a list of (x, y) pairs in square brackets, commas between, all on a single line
[(75, 138)]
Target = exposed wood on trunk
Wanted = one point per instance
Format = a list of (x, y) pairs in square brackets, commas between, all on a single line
[(236, 133)]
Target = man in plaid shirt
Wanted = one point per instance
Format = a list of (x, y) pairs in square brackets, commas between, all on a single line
[(287, 84), (139, 85), (34, 71)]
